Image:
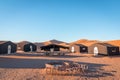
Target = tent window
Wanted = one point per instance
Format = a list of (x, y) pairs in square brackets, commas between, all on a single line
[(113, 50), (83, 48)]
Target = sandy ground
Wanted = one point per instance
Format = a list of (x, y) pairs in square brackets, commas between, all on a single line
[(31, 67)]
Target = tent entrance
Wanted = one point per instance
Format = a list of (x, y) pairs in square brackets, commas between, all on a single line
[(73, 49), (96, 51), (9, 49), (51, 49), (31, 48)]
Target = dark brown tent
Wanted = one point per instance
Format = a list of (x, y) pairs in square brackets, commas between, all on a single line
[(53, 46), (7, 47), (119, 49), (27, 46), (78, 48), (104, 48)]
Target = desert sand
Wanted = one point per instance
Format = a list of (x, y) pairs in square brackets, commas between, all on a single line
[(31, 67)]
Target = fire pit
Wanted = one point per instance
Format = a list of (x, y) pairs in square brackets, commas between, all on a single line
[(64, 67), (53, 64)]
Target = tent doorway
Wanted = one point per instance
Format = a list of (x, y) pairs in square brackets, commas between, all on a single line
[(9, 49), (73, 49), (96, 51), (51, 49), (31, 48)]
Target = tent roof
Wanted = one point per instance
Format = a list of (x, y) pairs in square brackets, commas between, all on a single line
[(79, 44), (106, 44), (53, 46), (2, 42)]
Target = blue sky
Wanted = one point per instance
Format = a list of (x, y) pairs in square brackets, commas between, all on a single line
[(65, 20)]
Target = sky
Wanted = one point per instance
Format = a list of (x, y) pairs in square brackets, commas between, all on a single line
[(64, 20)]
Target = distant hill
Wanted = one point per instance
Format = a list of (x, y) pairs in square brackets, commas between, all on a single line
[(51, 42), (39, 44), (114, 42), (81, 41), (85, 42), (56, 41), (23, 42), (64, 44)]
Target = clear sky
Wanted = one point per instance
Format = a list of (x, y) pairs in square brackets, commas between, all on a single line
[(65, 20)]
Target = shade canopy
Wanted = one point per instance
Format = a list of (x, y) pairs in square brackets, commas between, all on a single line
[(48, 47)]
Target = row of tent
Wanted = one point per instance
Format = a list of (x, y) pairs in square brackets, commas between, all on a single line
[(7, 47), (97, 48)]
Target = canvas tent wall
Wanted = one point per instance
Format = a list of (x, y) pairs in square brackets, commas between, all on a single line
[(38, 46), (55, 47), (119, 49), (65, 45), (7, 47), (104, 48), (78, 48), (27, 46)]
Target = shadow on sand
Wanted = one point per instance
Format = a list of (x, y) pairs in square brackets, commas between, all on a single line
[(96, 70), (39, 55)]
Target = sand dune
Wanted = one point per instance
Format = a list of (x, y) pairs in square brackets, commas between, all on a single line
[(114, 42), (85, 42)]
